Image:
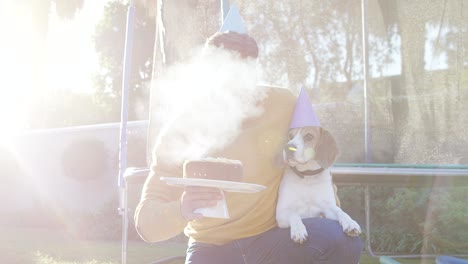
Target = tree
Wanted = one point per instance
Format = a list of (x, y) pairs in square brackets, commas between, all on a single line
[(110, 44), (41, 9), (312, 42), (103, 106), (424, 105)]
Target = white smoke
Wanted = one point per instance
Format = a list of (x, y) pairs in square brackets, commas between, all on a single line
[(203, 103)]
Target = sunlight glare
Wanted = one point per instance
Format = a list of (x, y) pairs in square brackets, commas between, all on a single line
[(15, 67), (71, 56), (69, 60)]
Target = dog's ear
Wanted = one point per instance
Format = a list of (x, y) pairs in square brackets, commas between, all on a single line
[(327, 149)]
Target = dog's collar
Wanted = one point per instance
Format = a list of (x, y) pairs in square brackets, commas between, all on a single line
[(302, 174)]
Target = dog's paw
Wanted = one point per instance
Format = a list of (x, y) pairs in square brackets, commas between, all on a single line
[(351, 227), (353, 232), (299, 233)]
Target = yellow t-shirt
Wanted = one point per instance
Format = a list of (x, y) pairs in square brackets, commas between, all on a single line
[(158, 216)]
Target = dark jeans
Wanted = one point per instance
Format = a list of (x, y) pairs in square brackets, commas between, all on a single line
[(326, 244)]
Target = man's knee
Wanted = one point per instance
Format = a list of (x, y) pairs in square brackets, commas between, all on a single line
[(328, 236)]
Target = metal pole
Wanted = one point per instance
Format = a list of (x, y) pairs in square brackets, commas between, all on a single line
[(123, 210), (367, 214), (365, 68)]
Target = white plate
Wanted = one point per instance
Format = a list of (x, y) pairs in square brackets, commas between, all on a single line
[(229, 186)]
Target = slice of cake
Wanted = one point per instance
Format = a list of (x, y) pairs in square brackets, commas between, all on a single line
[(214, 169)]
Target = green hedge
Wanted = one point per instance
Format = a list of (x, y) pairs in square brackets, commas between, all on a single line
[(413, 220)]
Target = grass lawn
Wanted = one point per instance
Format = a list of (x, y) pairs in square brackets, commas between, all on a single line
[(46, 246)]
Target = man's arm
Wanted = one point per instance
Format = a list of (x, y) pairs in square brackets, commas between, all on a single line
[(158, 216)]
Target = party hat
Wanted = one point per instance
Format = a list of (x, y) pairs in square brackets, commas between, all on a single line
[(304, 114), (233, 21)]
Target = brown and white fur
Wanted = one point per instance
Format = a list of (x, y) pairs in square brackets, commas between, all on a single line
[(306, 188)]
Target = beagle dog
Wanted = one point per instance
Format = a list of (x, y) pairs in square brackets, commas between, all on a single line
[(306, 188)]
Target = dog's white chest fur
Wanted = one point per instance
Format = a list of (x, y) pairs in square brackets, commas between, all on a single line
[(311, 196), (307, 197)]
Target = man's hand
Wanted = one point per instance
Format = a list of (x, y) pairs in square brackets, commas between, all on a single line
[(198, 197)]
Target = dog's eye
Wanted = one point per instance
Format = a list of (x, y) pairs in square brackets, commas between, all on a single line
[(308, 137), (291, 136)]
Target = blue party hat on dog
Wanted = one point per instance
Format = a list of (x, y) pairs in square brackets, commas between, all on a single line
[(304, 114)]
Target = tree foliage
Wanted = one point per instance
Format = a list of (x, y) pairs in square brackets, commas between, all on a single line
[(65, 9), (48, 107), (110, 45)]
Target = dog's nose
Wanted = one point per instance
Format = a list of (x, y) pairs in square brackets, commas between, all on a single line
[(290, 149)]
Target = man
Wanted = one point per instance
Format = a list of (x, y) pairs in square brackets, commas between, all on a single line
[(251, 234)]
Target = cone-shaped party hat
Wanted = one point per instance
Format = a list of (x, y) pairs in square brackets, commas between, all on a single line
[(233, 21), (304, 114)]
